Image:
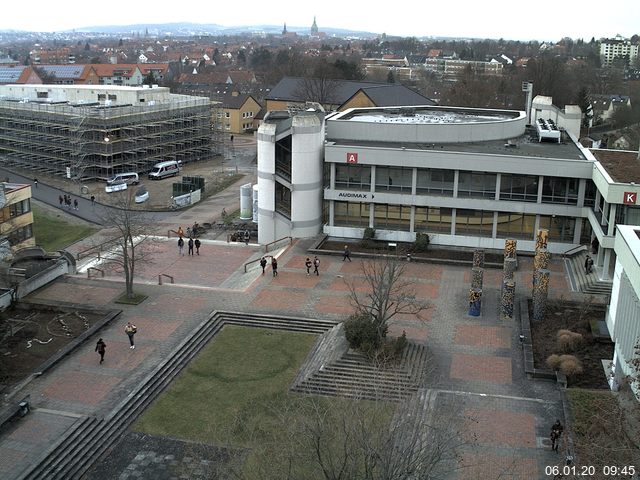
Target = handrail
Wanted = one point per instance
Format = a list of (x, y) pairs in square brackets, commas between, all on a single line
[(164, 275), (94, 268), (266, 247), (571, 250), (98, 247), (254, 261)]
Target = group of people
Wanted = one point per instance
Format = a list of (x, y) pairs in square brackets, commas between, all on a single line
[(65, 201), (191, 243), (315, 263), (130, 329)]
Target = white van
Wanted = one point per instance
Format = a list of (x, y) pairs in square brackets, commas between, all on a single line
[(161, 170), (130, 178)]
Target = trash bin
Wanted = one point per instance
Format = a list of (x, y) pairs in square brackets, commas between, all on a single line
[(24, 408)]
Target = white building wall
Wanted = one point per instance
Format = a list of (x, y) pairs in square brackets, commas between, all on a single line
[(266, 183), (306, 175)]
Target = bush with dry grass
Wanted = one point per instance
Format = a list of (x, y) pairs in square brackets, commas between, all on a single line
[(553, 361), (568, 341), (570, 365)]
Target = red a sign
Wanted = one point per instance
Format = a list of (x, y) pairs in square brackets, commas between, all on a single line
[(352, 157), (630, 198)]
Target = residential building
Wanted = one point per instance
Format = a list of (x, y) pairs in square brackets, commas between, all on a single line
[(16, 217), (96, 131), (238, 112), (454, 68), (292, 93), (134, 74), (605, 105), (618, 48)]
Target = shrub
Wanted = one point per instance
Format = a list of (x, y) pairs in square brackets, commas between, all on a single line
[(568, 341), (390, 351), (570, 365), (553, 361), (422, 242), (368, 238), (361, 333)]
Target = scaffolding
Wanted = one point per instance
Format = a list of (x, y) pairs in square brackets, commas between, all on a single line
[(94, 141)]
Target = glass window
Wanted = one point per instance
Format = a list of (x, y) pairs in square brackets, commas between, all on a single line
[(560, 190), (394, 179), (283, 200), (590, 194), (435, 181), (19, 235), (433, 219), (392, 217), (476, 184), (519, 187), (515, 225), (353, 177), (351, 214), (560, 228), (474, 222)]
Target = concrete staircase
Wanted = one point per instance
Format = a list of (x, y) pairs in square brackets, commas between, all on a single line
[(90, 437), (333, 370), (583, 282)]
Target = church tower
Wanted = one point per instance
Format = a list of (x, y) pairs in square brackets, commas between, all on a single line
[(314, 28), (284, 30)]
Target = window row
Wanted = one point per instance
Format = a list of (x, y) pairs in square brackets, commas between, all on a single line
[(479, 223), (19, 235), (470, 184), (15, 210)]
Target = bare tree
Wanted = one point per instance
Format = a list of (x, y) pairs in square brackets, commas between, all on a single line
[(129, 231), (387, 294)]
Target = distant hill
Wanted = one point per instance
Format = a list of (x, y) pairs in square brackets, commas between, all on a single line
[(180, 29)]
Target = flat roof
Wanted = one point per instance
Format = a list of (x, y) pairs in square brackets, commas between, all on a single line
[(525, 146), (623, 166), (422, 116)]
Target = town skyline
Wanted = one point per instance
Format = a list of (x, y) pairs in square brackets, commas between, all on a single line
[(497, 18)]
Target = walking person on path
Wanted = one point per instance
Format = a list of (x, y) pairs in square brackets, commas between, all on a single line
[(190, 244), (274, 266), (101, 347), (130, 330), (263, 264), (307, 263), (346, 255), (61, 200), (197, 244), (316, 264), (93, 200), (556, 433), (181, 246), (35, 182), (587, 264), (75, 204)]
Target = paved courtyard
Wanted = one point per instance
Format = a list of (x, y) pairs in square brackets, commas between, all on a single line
[(477, 360)]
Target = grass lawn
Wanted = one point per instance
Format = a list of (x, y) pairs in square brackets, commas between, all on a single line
[(226, 394), (235, 393), (54, 234)]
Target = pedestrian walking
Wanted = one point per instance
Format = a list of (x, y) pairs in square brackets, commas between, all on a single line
[(101, 347), (180, 232), (130, 330), (75, 204), (274, 266), (197, 244), (590, 266), (35, 182), (556, 433), (181, 246), (586, 264), (316, 264), (190, 244), (307, 263), (263, 264), (346, 254), (93, 200), (247, 236), (61, 200)]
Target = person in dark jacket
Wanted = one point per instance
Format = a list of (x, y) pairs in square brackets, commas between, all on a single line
[(197, 244), (181, 246), (101, 347), (190, 243), (274, 266), (263, 264)]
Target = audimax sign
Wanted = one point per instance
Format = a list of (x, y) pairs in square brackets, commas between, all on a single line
[(355, 195)]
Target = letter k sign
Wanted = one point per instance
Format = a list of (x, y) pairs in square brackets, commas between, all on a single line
[(630, 198)]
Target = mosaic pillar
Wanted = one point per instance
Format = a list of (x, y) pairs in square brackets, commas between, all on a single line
[(540, 262), (475, 302), (507, 299), (477, 276), (540, 293), (510, 246), (541, 238), (478, 258)]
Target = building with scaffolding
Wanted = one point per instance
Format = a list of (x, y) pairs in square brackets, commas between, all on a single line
[(91, 132)]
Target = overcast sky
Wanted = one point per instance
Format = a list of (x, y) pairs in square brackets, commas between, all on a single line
[(508, 19)]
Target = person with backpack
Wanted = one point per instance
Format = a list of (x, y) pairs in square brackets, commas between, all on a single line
[(316, 264), (274, 266), (197, 244), (263, 264), (181, 246), (308, 264), (130, 330)]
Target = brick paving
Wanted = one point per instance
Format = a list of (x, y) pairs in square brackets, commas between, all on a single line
[(477, 363)]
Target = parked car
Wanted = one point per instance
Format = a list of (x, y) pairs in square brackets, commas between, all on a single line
[(130, 178), (115, 187), (161, 170), (142, 194)]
